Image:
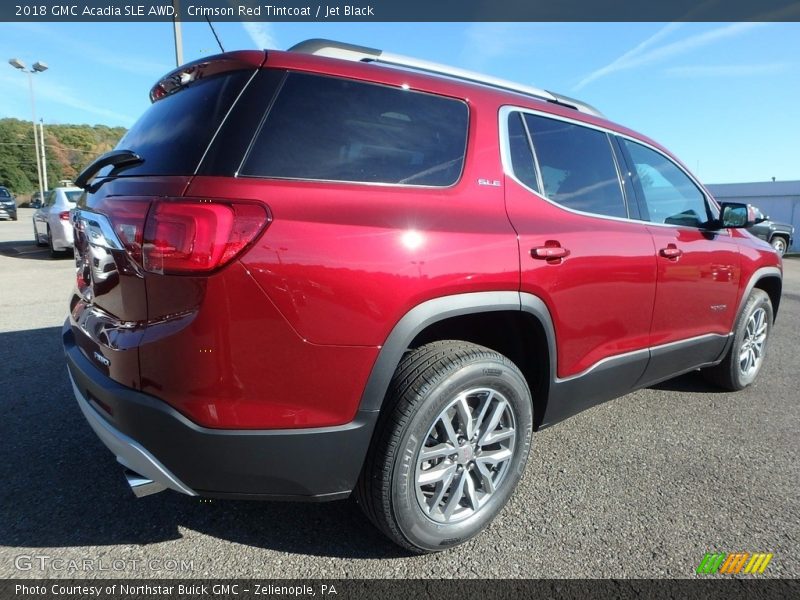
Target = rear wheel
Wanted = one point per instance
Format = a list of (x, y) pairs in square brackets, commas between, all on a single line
[(53, 252), (746, 355), (779, 244), (36, 237), (450, 448)]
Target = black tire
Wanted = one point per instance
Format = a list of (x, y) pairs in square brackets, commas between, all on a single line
[(428, 381), (53, 252), (780, 244), (730, 374)]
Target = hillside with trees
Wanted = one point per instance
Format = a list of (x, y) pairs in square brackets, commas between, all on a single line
[(69, 149)]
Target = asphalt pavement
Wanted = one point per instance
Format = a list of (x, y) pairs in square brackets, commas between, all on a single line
[(642, 486)]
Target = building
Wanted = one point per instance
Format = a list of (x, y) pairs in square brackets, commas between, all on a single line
[(778, 199)]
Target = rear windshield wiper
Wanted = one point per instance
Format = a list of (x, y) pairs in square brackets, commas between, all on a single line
[(119, 159)]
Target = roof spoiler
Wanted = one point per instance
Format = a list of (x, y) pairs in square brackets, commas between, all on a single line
[(206, 67)]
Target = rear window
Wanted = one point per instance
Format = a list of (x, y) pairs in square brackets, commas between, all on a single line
[(331, 129), (173, 134), (72, 197)]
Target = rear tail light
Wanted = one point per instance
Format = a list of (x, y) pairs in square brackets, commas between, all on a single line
[(64, 216), (184, 235)]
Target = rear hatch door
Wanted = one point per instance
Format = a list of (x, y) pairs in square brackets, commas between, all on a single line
[(160, 154)]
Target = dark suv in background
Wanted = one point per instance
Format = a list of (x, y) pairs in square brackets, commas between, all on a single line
[(8, 204), (334, 271), (779, 235)]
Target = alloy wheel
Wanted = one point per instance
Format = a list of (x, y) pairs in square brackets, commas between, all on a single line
[(755, 337), (466, 455)]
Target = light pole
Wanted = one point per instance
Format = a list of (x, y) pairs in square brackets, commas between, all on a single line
[(38, 67), (176, 26), (44, 156)]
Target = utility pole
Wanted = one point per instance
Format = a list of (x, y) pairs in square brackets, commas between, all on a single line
[(176, 25), (44, 157)]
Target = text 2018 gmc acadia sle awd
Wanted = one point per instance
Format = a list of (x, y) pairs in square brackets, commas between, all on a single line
[(336, 271)]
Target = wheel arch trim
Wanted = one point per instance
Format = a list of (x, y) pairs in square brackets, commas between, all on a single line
[(438, 309), (758, 275)]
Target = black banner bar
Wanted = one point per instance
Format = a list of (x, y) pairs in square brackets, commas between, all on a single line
[(401, 10), (711, 588)]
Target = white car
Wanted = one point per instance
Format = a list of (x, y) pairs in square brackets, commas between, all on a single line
[(51, 223)]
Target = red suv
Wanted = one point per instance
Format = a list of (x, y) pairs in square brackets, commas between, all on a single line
[(334, 271)]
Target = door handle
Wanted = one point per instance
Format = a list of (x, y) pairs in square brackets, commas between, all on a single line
[(552, 250), (671, 252)]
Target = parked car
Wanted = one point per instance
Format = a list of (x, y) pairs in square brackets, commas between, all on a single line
[(8, 204), (51, 221), (779, 235), (356, 273), (36, 200)]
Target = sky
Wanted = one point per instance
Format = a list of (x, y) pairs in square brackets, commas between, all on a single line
[(723, 97)]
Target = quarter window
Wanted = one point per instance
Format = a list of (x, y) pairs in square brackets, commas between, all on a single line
[(670, 196), (327, 128), (577, 166), (522, 162)]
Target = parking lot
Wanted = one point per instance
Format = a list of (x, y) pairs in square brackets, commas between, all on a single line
[(642, 486)]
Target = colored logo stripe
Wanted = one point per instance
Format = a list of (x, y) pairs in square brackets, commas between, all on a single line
[(758, 563), (732, 564), (711, 563)]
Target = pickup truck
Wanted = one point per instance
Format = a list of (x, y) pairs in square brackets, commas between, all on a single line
[(780, 235)]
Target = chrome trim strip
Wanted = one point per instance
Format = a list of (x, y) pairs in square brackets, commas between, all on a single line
[(98, 229), (647, 351), (129, 453)]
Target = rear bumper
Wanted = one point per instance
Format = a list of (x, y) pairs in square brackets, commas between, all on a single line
[(62, 235), (151, 438)]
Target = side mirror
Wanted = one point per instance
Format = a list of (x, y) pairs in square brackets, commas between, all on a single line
[(735, 215)]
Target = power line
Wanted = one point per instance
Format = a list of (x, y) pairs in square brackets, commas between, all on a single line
[(49, 146), (216, 37)]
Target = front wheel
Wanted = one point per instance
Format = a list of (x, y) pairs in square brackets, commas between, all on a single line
[(746, 355), (452, 444), (779, 244)]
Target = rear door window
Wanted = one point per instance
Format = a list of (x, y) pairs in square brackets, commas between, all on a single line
[(577, 166), (333, 129)]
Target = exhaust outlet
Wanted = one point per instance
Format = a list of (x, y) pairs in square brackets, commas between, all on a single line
[(142, 486)]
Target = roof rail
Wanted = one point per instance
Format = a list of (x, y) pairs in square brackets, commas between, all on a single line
[(341, 50)]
